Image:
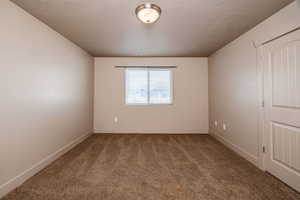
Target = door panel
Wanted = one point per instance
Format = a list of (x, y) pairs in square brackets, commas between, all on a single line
[(281, 60), (286, 136), (285, 75)]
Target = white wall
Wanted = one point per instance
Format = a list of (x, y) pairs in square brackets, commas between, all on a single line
[(233, 83), (187, 114), (46, 95)]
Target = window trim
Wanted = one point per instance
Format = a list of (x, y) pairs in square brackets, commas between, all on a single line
[(148, 69)]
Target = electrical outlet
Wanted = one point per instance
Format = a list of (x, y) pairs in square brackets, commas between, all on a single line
[(116, 119), (216, 123), (224, 126)]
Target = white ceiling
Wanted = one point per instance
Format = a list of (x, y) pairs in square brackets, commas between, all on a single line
[(186, 27)]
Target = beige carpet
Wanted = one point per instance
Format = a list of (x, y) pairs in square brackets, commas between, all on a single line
[(152, 167)]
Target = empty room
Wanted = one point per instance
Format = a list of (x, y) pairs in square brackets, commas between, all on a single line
[(150, 100)]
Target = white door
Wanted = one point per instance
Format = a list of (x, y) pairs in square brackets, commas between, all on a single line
[(281, 61)]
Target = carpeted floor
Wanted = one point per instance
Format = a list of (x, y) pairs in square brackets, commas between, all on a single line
[(152, 167)]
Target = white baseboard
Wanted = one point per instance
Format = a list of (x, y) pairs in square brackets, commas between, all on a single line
[(150, 132), (251, 158), (21, 178)]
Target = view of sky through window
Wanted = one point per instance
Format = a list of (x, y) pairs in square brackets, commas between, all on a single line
[(148, 86)]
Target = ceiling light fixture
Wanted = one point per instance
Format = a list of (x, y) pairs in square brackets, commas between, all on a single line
[(148, 13)]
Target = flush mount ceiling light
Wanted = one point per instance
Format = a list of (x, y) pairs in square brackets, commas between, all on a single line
[(148, 13)]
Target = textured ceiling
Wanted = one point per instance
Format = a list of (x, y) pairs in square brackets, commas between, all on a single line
[(186, 27)]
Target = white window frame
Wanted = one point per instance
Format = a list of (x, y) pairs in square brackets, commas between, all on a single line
[(148, 69)]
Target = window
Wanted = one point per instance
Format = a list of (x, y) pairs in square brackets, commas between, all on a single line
[(148, 86)]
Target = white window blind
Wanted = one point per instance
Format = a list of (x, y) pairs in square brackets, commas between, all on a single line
[(148, 86)]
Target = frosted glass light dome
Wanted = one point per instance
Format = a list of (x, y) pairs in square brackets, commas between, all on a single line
[(148, 13)]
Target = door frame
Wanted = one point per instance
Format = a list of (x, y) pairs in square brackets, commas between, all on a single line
[(261, 107)]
